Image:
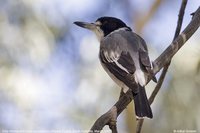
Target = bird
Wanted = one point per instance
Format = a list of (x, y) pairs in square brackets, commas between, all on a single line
[(124, 56)]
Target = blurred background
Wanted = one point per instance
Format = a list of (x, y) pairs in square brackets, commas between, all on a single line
[(51, 78)]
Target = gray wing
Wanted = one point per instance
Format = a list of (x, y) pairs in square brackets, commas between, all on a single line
[(115, 55), (143, 53), (144, 58), (121, 67), (119, 52), (139, 44)]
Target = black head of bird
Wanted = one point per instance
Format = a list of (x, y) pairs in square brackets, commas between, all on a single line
[(103, 26)]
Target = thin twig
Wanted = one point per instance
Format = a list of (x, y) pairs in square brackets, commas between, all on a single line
[(165, 69), (180, 18), (139, 125), (113, 128), (159, 84)]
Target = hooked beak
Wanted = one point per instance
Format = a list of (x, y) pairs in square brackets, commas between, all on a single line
[(89, 26)]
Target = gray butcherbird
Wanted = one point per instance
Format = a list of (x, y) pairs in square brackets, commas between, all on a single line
[(124, 56)]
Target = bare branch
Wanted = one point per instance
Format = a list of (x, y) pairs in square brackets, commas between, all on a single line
[(159, 63), (180, 18), (139, 125), (107, 117), (172, 49)]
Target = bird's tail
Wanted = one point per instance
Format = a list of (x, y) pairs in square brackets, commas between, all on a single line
[(142, 106)]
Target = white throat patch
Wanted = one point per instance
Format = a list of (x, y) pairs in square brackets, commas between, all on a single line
[(99, 33)]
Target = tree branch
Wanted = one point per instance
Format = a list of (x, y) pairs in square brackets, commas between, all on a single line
[(172, 49), (165, 69), (158, 64), (180, 18)]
